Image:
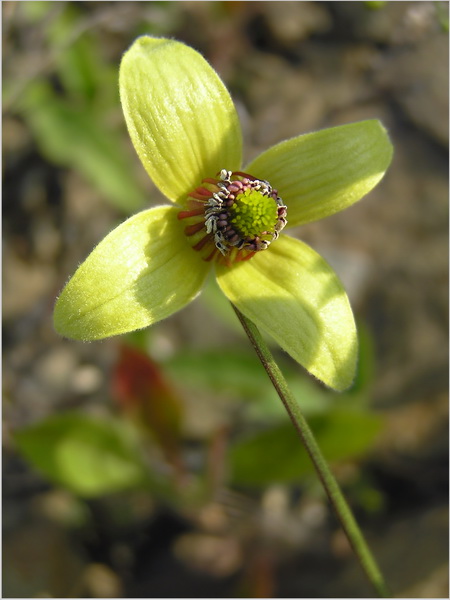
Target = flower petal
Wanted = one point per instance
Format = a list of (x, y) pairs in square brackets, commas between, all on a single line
[(180, 116), (142, 272), (321, 173), (292, 293)]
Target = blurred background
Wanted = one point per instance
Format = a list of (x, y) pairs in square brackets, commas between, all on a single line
[(161, 464)]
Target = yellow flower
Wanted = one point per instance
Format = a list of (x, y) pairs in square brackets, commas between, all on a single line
[(186, 132)]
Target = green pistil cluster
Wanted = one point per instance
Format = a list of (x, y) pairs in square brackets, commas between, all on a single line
[(253, 214)]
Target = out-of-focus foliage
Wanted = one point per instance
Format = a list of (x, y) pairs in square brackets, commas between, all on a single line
[(93, 457), (74, 136), (74, 117), (275, 455), (86, 455)]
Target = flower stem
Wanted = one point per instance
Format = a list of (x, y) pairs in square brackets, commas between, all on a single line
[(328, 480)]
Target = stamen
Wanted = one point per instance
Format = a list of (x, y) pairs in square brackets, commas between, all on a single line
[(194, 228), (184, 214), (236, 216)]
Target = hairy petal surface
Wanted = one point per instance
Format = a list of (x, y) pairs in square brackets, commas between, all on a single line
[(180, 116), (142, 272), (290, 292), (321, 173)]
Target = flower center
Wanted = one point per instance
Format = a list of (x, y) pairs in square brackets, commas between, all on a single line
[(252, 213), (231, 218)]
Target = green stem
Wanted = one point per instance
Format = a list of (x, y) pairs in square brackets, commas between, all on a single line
[(328, 480)]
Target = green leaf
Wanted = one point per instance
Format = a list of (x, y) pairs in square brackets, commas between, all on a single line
[(88, 456), (219, 371), (321, 173), (277, 455), (181, 119), (236, 374), (82, 72), (142, 272), (79, 62), (290, 292), (76, 138)]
